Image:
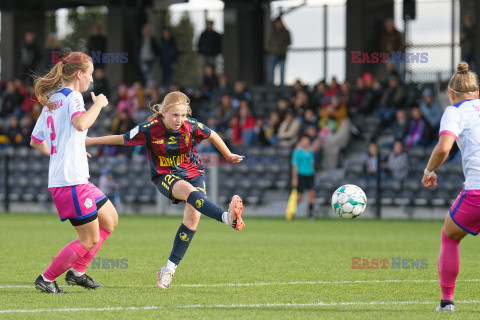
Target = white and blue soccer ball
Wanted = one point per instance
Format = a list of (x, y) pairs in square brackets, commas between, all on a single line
[(349, 201)]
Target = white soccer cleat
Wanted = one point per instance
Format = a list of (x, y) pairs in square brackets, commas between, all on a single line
[(447, 308), (164, 276)]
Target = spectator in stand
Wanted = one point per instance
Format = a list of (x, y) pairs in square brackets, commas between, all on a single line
[(273, 125), (432, 113), (334, 127), (209, 83), (148, 50), (289, 130), (242, 125), (393, 97), (318, 97), (110, 187), (282, 106), (12, 99), (225, 113), (121, 124), (392, 40), (400, 126), (141, 97), (277, 47), (28, 101), (210, 45), (416, 132), (153, 95), (372, 95), (97, 42), (51, 45), (345, 94), (30, 55), (224, 86), (26, 129), (371, 164), (309, 119), (14, 132), (240, 92), (100, 83), (397, 164), (127, 100), (332, 90), (387, 72), (36, 111), (261, 132), (468, 41), (297, 86), (301, 103), (3, 136), (168, 56)]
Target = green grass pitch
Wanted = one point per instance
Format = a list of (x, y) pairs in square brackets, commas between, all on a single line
[(272, 269)]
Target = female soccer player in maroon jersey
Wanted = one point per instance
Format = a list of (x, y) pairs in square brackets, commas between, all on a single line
[(177, 171)]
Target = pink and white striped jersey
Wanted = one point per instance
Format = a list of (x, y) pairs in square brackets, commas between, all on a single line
[(462, 121), (68, 158)]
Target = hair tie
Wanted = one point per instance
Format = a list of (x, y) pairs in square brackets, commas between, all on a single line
[(462, 72)]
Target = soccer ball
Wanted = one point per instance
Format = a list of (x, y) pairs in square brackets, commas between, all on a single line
[(349, 201)]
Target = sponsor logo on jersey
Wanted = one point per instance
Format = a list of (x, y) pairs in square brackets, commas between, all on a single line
[(88, 203), (183, 236), (172, 140), (158, 141), (199, 203), (173, 161)]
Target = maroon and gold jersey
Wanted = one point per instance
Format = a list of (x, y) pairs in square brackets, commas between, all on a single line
[(170, 151)]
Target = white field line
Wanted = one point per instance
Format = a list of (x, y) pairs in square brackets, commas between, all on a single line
[(259, 284), (231, 306)]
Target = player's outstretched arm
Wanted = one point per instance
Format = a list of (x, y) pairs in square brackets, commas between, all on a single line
[(222, 147), (111, 140), (42, 147), (439, 155)]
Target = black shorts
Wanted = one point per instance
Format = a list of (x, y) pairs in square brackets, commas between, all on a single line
[(166, 181), (77, 223), (305, 182)]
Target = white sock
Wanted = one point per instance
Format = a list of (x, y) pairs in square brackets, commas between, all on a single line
[(77, 273), (45, 279), (171, 266), (225, 218)]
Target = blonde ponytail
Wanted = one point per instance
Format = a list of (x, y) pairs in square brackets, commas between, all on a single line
[(62, 72)]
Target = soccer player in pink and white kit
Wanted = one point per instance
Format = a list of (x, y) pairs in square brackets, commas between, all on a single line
[(460, 122), (60, 133)]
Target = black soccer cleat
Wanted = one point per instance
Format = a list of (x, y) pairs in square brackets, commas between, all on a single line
[(47, 286), (83, 281)]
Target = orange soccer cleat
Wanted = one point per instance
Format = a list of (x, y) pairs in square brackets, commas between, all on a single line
[(235, 213)]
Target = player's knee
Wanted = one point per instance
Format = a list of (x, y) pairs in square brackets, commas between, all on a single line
[(89, 243)]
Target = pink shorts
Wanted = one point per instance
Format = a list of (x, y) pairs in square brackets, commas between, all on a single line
[(77, 202), (465, 211)]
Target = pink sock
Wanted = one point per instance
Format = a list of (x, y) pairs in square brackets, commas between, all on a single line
[(81, 263), (448, 265), (64, 260)]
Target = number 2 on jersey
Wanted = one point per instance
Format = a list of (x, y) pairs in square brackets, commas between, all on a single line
[(53, 148)]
